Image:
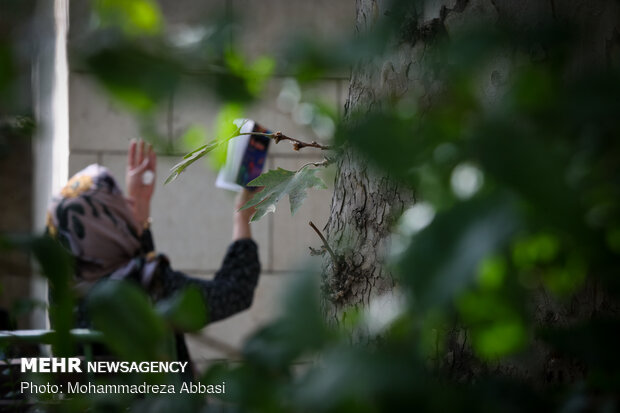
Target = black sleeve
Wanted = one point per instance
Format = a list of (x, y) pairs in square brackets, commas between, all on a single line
[(146, 241), (232, 289)]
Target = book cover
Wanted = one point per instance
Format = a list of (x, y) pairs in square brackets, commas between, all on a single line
[(245, 158)]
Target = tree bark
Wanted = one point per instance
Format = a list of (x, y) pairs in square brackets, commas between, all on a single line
[(366, 202), (363, 206)]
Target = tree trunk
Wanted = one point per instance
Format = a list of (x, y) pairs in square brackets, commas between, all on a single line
[(364, 205), (365, 202), (363, 208)]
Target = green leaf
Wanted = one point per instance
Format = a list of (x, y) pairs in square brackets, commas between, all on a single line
[(189, 159), (443, 259), (56, 265), (194, 136), (299, 329), (537, 249), (254, 74), (225, 126), (134, 17), (281, 182), (260, 70), (186, 310), (492, 272), (499, 339), (131, 328), (196, 154), (137, 78)]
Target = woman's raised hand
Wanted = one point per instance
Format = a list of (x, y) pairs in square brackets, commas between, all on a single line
[(241, 218), (140, 179)]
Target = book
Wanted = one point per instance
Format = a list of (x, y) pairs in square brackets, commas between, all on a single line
[(245, 157)]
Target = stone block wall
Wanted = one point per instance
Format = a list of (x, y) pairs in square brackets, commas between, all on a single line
[(192, 220)]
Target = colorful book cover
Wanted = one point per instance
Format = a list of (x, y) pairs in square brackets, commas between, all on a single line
[(254, 157), (245, 158)]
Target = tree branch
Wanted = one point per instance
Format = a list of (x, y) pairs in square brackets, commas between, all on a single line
[(297, 144), (325, 244), (324, 162)]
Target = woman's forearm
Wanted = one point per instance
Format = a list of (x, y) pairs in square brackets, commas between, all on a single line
[(241, 217), (141, 210), (241, 227)]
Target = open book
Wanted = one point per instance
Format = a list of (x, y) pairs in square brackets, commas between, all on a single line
[(245, 157)]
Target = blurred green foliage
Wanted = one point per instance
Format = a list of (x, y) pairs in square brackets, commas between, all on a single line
[(186, 310), (525, 226), (128, 321), (135, 17)]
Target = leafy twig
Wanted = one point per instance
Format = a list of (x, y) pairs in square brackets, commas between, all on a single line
[(325, 244), (297, 144), (198, 153), (324, 162)]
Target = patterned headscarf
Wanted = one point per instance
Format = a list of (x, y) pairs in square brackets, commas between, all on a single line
[(92, 219)]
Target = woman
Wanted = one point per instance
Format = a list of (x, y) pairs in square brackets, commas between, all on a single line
[(109, 237)]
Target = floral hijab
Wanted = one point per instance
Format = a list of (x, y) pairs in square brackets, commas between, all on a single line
[(92, 219)]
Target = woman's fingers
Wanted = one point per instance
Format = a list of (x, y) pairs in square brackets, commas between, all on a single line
[(131, 156), (149, 163), (141, 157), (152, 158), (140, 153)]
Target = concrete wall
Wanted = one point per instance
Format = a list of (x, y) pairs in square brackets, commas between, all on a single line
[(193, 219)]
